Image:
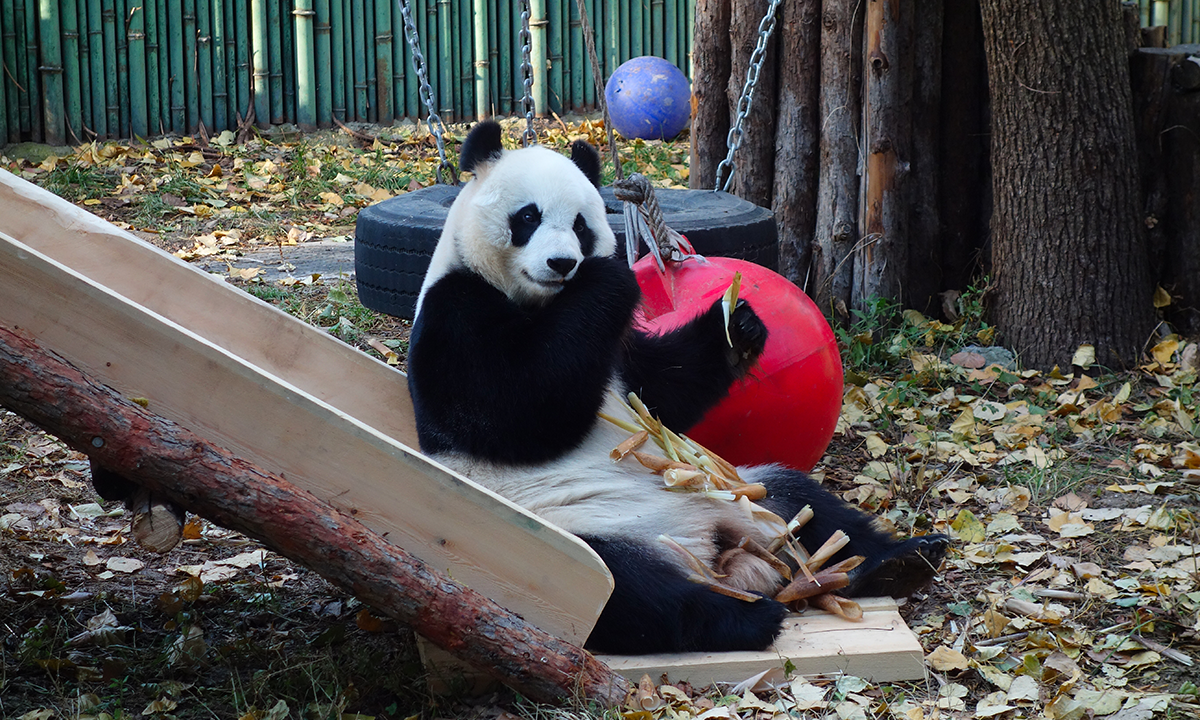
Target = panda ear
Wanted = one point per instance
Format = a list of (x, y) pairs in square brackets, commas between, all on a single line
[(587, 159), (481, 147)]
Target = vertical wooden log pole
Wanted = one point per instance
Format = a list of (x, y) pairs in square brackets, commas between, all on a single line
[(710, 113), (837, 192), (796, 135), (881, 260), (754, 175), (181, 467)]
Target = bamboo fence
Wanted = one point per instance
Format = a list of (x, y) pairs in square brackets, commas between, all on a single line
[(77, 70)]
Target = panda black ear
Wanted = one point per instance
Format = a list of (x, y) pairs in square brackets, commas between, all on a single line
[(481, 146), (587, 159)]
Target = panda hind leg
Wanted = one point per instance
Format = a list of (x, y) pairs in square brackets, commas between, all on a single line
[(894, 566), (654, 608)]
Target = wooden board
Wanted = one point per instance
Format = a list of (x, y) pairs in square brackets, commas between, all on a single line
[(278, 393), (880, 648)]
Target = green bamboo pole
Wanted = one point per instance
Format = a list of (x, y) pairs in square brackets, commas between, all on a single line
[(18, 63), (5, 105), (232, 8), (400, 71), (348, 58), (112, 98), (509, 48), (368, 50), (337, 57), (178, 96), (220, 86), (612, 38), (1174, 22), (480, 52), (121, 27), (262, 93), (204, 63), (139, 117), (623, 10), (33, 80), (464, 92), (321, 59), (1196, 21), (359, 46), (287, 32), (672, 32), (243, 59), (273, 49), (658, 28), (153, 97), (445, 36), (73, 113), (164, 65), (538, 54), (191, 51), (689, 29), (95, 35), (306, 68), (8, 48), (384, 79), (635, 29), (554, 55)]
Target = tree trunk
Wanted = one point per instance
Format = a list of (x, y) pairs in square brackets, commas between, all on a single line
[(924, 272), (754, 172), (1070, 262), (181, 467), (710, 120), (836, 229), (881, 262), (797, 132)]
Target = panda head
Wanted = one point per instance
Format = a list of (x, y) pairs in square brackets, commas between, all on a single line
[(527, 219)]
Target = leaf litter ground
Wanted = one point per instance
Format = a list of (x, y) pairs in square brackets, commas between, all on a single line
[(1072, 590)]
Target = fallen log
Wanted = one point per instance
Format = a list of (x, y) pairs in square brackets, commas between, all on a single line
[(179, 467)]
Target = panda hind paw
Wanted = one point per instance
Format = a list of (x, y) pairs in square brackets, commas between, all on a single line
[(910, 566)]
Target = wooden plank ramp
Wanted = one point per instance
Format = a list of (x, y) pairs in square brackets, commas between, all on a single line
[(339, 424)]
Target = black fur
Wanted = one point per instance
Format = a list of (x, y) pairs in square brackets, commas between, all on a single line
[(654, 608), (481, 146), (515, 384), (586, 159), (587, 238), (523, 224)]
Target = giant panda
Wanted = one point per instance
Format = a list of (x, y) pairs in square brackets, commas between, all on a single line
[(524, 331)]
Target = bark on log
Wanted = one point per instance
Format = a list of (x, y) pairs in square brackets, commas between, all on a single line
[(181, 467), (754, 172), (924, 272), (881, 262), (797, 131), (836, 229), (710, 119)]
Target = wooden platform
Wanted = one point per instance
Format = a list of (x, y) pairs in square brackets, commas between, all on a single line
[(339, 424)]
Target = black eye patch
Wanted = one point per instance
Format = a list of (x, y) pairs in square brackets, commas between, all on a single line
[(523, 223), (587, 239)]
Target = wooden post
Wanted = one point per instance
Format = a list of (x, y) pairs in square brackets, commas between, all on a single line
[(710, 117), (837, 192), (881, 261), (924, 276), (753, 176), (797, 130), (185, 469)]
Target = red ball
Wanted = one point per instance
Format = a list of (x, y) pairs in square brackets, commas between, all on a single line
[(785, 411)]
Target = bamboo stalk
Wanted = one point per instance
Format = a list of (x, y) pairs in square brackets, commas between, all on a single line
[(578, 54), (178, 108), (8, 46), (33, 81), (480, 53), (191, 86), (1175, 22), (322, 58), (635, 29), (153, 96), (348, 54), (274, 54), (95, 39), (445, 36), (671, 31), (306, 71), (612, 37), (507, 34), (232, 8), (220, 81), (204, 63), (112, 107), (244, 60), (337, 58), (688, 32), (72, 86), (122, 8), (384, 103), (554, 56), (464, 94), (259, 43), (50, 71), (20, 82), (5, 106), (360, 59), (400, 66), (287, 64), (139, 119)]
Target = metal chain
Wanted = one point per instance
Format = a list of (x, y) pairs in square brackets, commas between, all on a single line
[(436, 126), (529, 137), (727, 167)]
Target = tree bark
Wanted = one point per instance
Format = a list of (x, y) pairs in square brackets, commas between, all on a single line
[(181, 467), (710, 119), (1070, 262), (753, 175), (794, 198), (924, 271), (881, 262), (836, 230)]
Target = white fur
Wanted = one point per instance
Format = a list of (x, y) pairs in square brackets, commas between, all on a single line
[(477, 236)]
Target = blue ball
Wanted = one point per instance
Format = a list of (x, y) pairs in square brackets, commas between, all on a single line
[(648, 98)]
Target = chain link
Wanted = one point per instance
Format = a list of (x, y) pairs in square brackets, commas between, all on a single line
[(436, 126), (529, 137), (727, 167)]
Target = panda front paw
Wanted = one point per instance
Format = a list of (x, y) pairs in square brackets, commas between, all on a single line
[(748, 335)]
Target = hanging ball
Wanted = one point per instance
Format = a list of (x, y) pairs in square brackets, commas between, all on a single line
[(786, 410), (648, 98)]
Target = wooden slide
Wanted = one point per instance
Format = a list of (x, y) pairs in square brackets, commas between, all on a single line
[(339, 424)]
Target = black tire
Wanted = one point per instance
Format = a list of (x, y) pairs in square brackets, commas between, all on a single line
[(394, 239)]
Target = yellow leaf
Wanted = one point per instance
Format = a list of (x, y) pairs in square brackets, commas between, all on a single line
[(1165, 350), (1123, 394), (964, 425), (943, 658), (1085, 356), (968, 528), (91, 201), (332, 198), (1162, 298)]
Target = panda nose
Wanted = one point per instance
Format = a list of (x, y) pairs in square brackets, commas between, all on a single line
[(562, 265)]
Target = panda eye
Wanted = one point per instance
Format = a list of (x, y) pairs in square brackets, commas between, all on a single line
[(529, 215), (580, 225)]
